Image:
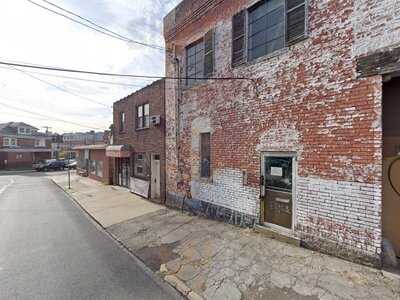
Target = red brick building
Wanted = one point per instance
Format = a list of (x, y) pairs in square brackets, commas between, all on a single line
[(21, 145), (290, 135), (138, 149)]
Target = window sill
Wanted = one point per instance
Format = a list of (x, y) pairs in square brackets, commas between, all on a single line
[(141, 177), (206, 180), (141, 129), (269, 56), (198, 84)]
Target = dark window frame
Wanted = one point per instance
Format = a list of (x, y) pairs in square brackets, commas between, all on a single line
[(205, 155), (142, 164), (198, 56), (142, 119), (289, 39), (122, 121)]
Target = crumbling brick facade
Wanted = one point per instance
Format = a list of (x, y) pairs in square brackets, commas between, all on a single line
[(306, 99)]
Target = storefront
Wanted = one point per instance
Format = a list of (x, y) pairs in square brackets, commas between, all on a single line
[(93, 163)]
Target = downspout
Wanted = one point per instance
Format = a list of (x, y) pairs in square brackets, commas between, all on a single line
[(178, 123)]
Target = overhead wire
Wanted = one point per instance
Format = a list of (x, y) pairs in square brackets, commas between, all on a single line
[(62, 89), (44, 116), (99, 29), (58, 69)]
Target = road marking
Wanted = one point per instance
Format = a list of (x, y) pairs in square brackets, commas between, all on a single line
[(3, 189)]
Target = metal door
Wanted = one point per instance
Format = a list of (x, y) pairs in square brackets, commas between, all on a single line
[(155, 176), (278, 193)]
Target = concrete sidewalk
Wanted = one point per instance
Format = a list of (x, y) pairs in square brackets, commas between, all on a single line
[(108, 205), (205, 259)]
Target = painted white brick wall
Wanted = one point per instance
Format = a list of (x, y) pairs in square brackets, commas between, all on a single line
[(342, 211), (376, 24), (227, 190), (337, 211)]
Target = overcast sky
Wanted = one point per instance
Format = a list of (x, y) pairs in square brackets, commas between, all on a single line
[(33, 35)]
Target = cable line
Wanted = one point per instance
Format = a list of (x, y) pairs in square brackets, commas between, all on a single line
[(44, 116), (35, 66), (62, 89), (99, 28)]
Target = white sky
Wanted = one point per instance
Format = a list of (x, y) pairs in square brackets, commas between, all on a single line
[(33, 35)]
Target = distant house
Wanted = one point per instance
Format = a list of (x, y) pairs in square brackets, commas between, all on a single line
[(21, 145), (75, 139)]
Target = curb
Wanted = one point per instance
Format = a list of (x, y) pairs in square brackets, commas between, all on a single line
[(160, 282), (179, 284)]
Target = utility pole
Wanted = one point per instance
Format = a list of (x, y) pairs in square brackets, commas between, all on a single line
[(47, 128)]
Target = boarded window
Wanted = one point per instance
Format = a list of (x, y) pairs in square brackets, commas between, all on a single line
[(143, 116), (205, 155), (194, 62), (296, 20), (239, 38), (209, 53)]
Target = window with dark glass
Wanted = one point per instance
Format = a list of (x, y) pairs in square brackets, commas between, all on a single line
[(143, 116), (140, 165), (266, 28), (200, 59), (122, 122), (195, 62), (271, 25), (205, 155)]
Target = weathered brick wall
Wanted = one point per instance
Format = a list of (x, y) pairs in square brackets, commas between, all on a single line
[(309, 100), (376, 25)]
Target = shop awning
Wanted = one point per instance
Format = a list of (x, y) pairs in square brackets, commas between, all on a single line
[(119, 151), (90, 147)]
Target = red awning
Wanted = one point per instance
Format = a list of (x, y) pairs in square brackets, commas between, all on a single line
[(119, 151)]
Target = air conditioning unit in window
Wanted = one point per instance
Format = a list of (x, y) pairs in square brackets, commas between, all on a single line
[(155, 120)]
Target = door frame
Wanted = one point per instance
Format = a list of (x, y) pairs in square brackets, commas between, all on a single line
[(294, 156), (151, 175)]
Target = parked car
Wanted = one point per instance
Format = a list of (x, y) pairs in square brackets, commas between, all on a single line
[(71, 164), (50, 165)]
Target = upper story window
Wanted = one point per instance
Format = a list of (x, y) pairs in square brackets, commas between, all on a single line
[(200, 59), (40, 143), (28, 131), (9, 142), (21, 130), (267, 26), (122, 121), (143, 116), (195, 62)]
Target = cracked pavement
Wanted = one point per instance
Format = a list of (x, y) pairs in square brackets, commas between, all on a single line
[(220, 261)]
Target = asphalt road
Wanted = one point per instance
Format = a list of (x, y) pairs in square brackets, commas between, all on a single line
[(49, 249)]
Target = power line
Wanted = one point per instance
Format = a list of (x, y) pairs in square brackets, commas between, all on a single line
[(106, 29), (62, 89), (35, 66), (102, 29), (79, 79), (44, 116), (87, 80)]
